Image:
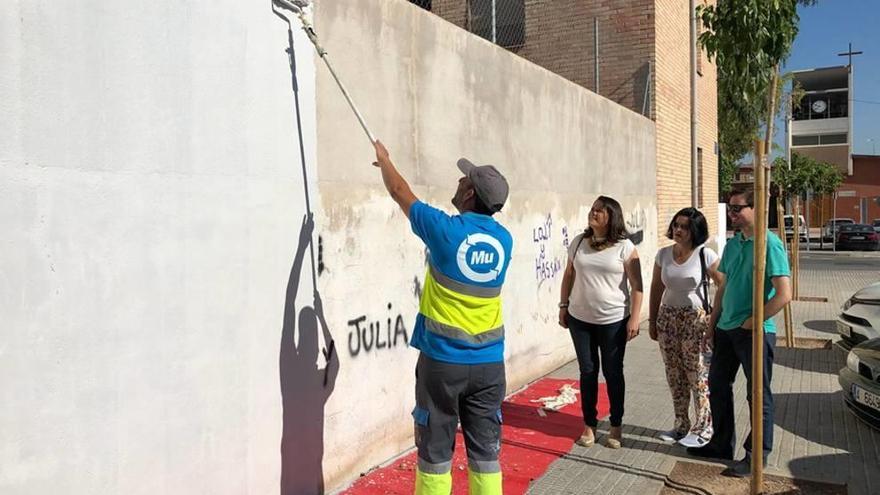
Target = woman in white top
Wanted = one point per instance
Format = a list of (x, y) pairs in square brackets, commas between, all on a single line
[(601, 288), (679, 311)]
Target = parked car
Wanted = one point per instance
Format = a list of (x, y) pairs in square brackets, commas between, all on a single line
[(859, 319), (857, 236), (877, 225), (789, 227), (860, 381), (829, 231)]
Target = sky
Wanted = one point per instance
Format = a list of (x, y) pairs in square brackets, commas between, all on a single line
[(825, 30)]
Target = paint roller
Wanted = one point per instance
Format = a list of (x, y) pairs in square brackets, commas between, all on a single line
[(302, 9)]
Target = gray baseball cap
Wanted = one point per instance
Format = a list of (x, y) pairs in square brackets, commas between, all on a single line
[(488, 183)]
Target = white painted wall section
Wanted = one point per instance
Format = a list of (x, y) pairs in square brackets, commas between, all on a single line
[(150, 197), (154, 338)]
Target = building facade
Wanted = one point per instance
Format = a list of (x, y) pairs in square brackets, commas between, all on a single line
[(641, 61), (859, 195)]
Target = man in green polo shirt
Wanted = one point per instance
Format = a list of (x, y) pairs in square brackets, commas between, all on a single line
[(731, 327)]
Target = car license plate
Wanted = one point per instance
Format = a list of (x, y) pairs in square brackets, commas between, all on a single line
[(857, 238), (844, 329), (866, 398)]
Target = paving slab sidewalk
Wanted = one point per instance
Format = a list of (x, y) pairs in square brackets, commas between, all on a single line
[(816, 437)]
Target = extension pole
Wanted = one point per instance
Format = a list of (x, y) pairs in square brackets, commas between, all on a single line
[(357, 114), (313, 37)]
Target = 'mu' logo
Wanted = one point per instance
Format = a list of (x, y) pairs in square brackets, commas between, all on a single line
[(482, 257)]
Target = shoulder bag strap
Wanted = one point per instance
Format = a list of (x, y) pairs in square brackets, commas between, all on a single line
[(584, 234), (704, 281)]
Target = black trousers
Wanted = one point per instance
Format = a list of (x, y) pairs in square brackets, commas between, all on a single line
[(732, 349), (595, 345)]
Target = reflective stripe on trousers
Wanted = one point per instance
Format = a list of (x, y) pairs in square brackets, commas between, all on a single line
[(441, 484)]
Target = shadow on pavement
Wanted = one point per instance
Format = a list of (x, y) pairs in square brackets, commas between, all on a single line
[(825, 326), (812, 360)]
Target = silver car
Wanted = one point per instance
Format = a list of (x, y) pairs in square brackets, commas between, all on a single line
[(829, 231), (860, 319), (860, 381)]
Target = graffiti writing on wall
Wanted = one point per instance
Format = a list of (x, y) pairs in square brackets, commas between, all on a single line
[(372, 336), (547, 263), (636, 221)]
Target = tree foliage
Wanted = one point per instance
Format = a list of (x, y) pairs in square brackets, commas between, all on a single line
[(805, 174), (747, 39)]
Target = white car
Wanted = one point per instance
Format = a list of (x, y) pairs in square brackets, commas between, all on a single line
[(860, 318), (789, 227)]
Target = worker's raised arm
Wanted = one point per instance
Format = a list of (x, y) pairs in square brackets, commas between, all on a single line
[(394, 182)]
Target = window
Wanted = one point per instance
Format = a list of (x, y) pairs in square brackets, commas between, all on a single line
[(832, 139), (499, 21), (822, 105), (818, 140), (804, 140), (425, 4)]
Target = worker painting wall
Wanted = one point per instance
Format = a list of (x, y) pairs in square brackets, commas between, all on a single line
[(161, 331), (433, 93)]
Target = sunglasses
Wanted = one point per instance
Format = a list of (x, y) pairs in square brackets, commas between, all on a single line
[(737, 208)]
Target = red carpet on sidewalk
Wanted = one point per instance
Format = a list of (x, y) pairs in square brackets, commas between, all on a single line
[(529, 444)]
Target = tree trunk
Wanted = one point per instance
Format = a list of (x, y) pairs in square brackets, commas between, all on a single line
[(780, 225), (796, 251)]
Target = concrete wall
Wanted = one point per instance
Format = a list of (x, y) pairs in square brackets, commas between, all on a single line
[(160, 333), (433, 93), (150, 200), (559, 36)]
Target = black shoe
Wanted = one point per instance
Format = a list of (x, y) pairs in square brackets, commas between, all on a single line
[(709, 451), (742, 468)]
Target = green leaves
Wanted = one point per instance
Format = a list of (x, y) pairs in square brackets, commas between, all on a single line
[(806, 174), (747, 39)]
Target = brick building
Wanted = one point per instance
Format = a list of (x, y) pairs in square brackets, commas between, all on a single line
[(643, 64), (859, 195)]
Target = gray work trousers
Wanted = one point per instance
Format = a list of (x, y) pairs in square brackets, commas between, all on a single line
[(447, 393)]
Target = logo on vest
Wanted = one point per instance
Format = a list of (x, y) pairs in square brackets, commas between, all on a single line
[(480, 258)]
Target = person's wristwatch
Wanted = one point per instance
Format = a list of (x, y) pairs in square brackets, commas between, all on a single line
[(563, 305)]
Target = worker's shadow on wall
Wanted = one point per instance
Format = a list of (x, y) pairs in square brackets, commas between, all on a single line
[(305, 387)]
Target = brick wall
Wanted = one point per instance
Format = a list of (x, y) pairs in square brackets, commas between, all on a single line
[(672, 114), (865, 182), (559, 37)]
